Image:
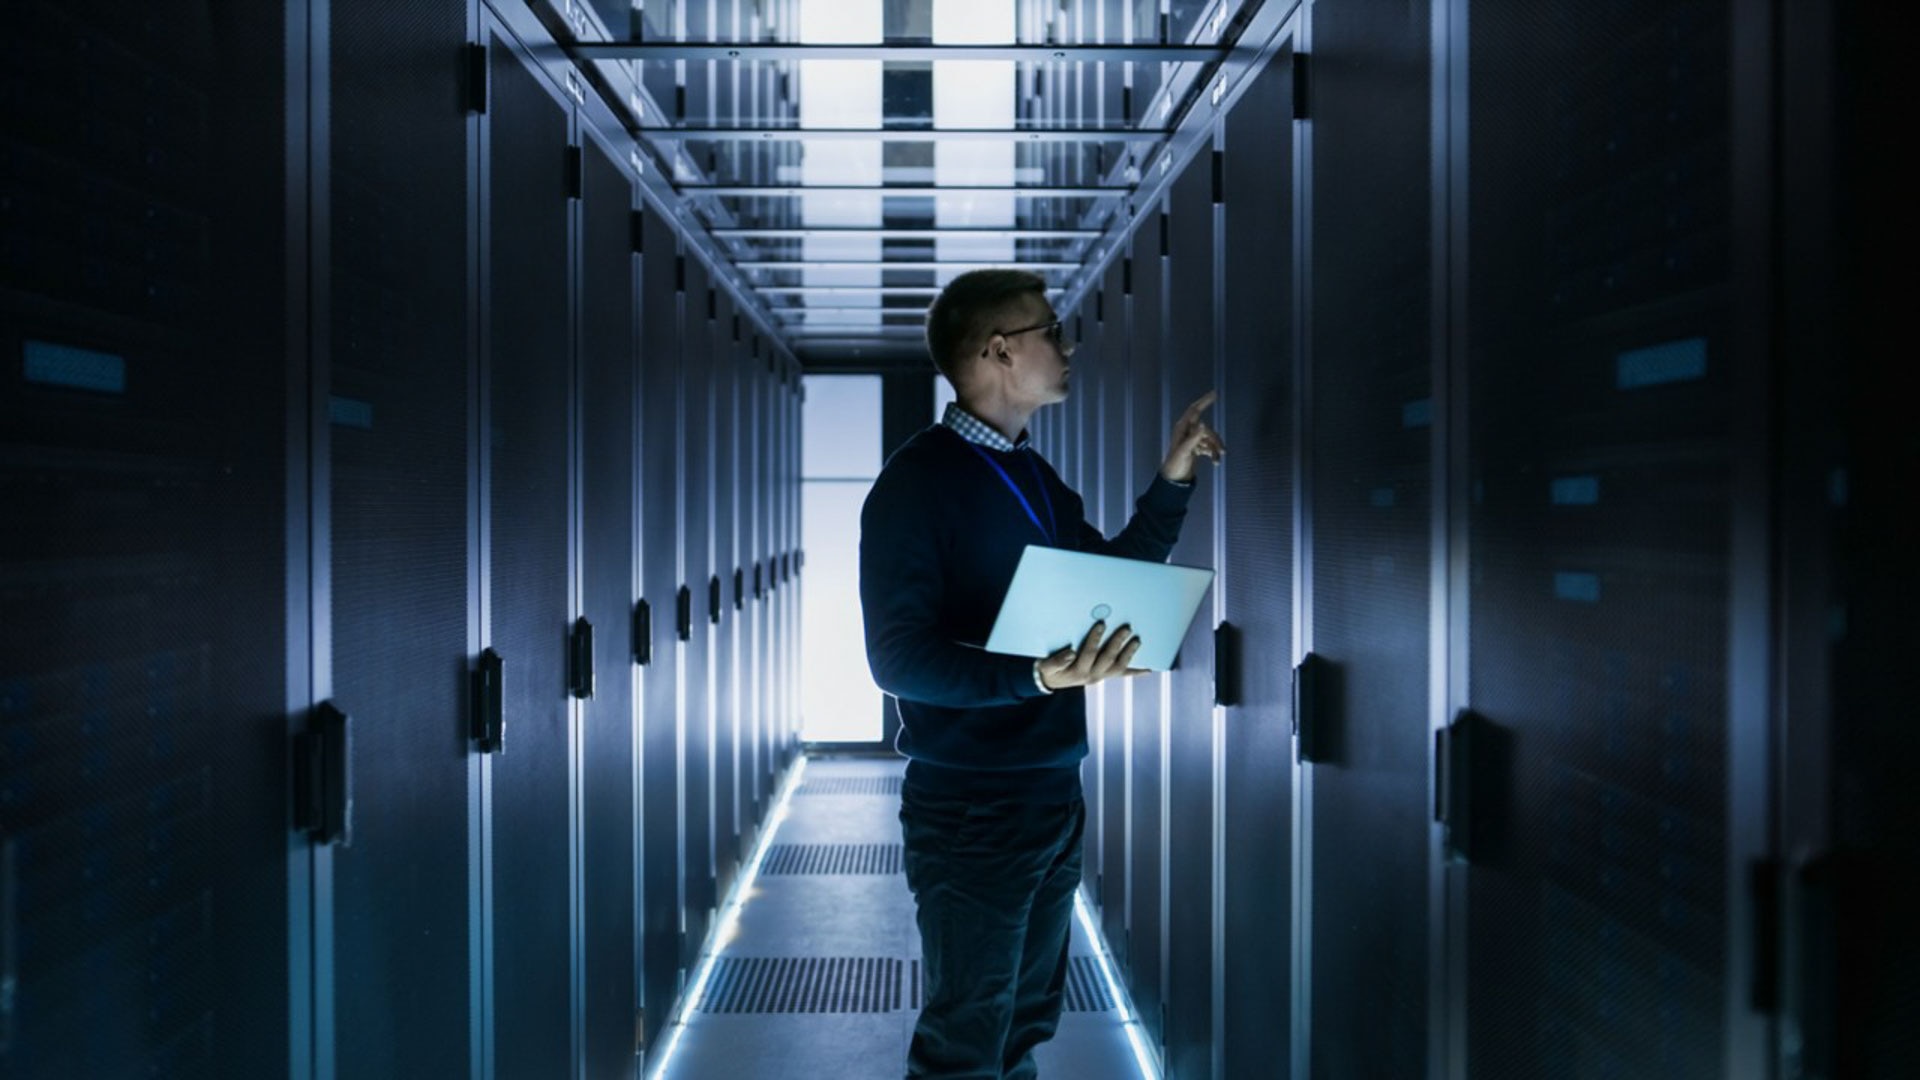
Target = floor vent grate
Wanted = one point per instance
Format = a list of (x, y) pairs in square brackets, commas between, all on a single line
[(851, 785), (833, 859), (1086, 990), (805, 984)]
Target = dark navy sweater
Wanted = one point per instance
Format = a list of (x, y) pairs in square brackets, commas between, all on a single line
[(940, 536)]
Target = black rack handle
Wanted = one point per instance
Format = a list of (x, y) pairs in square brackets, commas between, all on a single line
[(489, 703), (642, 633), (1453, 752), (1226, 664), (713, 600), (1309, 679), (323, 777), (580, 659), (683, 614)]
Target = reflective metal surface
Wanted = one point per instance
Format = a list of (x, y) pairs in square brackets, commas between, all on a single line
[(847, 158)]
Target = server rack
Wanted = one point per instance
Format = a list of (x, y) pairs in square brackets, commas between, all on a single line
[(1115, 385), (726, 670), (609, 683), (159, 614), (701, 606), (1582, 253), (401, 389), (1188, 372), (664, 862), (1145, 940), (528, 465), (1369, 453), (1601, 524), (1259, 399)]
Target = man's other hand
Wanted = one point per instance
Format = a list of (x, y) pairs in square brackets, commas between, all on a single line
[(1094, 661), (1192, 439)]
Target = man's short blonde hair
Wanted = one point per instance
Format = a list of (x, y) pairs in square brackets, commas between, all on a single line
[(963, 316)]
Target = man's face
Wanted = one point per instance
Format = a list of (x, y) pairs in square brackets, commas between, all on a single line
[(1037, 346)]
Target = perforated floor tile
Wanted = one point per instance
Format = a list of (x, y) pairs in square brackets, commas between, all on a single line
[(816, 981)]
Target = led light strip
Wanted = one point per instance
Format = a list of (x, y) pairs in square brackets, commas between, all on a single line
[(1136, 1037), (724, 930)]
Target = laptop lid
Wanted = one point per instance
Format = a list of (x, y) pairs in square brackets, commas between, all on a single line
[(1057, 595)]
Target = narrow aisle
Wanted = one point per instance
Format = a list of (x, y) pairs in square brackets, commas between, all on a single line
[(822, 975)]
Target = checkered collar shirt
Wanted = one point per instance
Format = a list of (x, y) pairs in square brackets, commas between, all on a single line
[(978, 431)]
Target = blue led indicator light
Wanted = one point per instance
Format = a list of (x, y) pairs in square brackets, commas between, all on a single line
[(347, 412), (1657, 365), (1578, 587), (1576, 491), (74, 369)]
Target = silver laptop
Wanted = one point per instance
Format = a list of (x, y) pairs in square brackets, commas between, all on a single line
[(1057, 595)]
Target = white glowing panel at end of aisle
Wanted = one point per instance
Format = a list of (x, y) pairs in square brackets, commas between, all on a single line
[(840, 457)]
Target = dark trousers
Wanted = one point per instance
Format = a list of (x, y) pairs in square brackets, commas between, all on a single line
[(993, 890)]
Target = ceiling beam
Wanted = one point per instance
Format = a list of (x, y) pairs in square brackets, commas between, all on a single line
[(918, 315), (904, 234), (887, 264), (919, 135), (858, 290), (855, 290), (751, 51), (853, 330), (780, 190)]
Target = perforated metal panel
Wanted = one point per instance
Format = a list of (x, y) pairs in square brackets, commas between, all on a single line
[(1257, 401), (727, 669), (1189, 373), (143, 563), (806, 984), (841, 859), (1146, 912), (401, 559), (662, 863), (1082, 458), (1085, 990), (1371, 563), (696, 683), (851, 785), (529, 368), (608, 368), (754, 777), (1602, 510), (1115, 395)]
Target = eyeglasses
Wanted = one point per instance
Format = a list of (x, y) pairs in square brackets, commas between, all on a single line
[(1056, 332)]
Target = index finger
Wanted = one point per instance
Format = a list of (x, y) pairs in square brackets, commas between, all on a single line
[(1202, 404)]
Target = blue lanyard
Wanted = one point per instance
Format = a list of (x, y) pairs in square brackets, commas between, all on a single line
[(1052, 534)]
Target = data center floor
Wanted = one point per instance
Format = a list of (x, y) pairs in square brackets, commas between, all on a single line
[(821, 977)]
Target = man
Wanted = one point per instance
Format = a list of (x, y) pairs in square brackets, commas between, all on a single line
[(991, 809)]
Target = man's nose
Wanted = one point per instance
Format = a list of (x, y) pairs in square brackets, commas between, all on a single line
[(1067, 349)]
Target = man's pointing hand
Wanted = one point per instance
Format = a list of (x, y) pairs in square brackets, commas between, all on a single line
[(1192, 439)]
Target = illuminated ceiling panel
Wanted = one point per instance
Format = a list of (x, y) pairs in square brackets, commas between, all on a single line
[(849, 157)]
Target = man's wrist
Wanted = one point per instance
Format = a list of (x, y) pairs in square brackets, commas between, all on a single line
[(1038, 681)]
